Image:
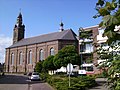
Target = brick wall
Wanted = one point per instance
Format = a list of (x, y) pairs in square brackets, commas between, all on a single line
[(35, 48)]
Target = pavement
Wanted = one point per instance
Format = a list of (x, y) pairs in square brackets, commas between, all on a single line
[(42, 86), (101, 84), (21, 82)]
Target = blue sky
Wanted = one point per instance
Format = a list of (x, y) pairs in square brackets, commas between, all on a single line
[(44, 16)]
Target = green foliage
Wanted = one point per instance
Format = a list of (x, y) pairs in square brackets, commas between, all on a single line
[(103, 12), (44, 76), (77, 83), (104, 74), (118, 85), (66, 55), (85, 34), (109, 20), (89, 59), (110, 13), (38, 67), (114, 72), (111, 67), (48, 63)]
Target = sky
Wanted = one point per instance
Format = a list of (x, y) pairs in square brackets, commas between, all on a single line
[(44, 16)]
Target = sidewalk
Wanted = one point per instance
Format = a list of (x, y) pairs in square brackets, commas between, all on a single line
[(101, 84), (41, 86)]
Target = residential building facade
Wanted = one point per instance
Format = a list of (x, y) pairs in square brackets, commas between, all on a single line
[(89, 44), (87, 39)]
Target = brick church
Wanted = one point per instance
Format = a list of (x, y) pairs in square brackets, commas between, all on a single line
[(24, 53)]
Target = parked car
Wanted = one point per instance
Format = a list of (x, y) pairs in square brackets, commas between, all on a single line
[(34, 76)]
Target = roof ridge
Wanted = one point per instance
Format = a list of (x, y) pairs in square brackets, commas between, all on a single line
[(45, 34), (64, 35)]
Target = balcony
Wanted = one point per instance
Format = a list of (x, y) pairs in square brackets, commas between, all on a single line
[(101, 39)]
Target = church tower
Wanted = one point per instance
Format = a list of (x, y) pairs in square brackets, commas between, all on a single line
[(19, 29)]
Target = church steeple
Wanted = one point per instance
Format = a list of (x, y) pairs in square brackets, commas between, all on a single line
[(19, 19), (19, 29), (61, 26)]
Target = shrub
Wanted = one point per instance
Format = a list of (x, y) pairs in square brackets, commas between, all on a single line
[(61, 82)]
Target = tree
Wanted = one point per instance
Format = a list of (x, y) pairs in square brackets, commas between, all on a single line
[(48, 64), (39, 67), (110, 13), (67, 54)]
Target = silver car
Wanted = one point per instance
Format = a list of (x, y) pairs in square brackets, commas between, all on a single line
[(35, 76)]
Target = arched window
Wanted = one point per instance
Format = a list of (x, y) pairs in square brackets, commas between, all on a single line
[(30, 57), (12, 59), (52, 51), (20, 58), (41, 55)]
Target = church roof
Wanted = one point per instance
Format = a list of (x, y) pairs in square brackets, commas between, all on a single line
[(63, 35)]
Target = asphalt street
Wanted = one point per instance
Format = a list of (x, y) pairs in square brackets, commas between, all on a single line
[(21, 82)]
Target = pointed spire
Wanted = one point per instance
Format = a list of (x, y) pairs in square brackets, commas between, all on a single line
[(19, 19), (20, 15), (61, 26)]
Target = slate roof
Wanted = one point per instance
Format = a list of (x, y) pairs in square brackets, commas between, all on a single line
[(64, 35)]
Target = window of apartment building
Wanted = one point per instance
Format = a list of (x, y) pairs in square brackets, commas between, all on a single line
[(52, 51), (12, 58), (101, 31), (82, 48), (30, 57), (89, 47), (20, 58), (41, 55)]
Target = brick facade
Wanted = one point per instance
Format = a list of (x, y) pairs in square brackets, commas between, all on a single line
[(35, 48)]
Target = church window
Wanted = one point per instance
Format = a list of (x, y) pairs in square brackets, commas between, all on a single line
[(41, 55), (20, 58), (30, 57), (12, 59), (52, 51)]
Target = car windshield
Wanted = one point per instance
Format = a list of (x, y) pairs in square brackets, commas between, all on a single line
[(35, 73)]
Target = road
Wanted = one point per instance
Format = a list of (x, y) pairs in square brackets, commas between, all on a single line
[(21, 82)]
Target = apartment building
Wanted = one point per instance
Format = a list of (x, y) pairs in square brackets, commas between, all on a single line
[(90, 39)]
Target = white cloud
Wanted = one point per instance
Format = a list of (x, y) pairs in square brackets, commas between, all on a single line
[(5, 42)]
